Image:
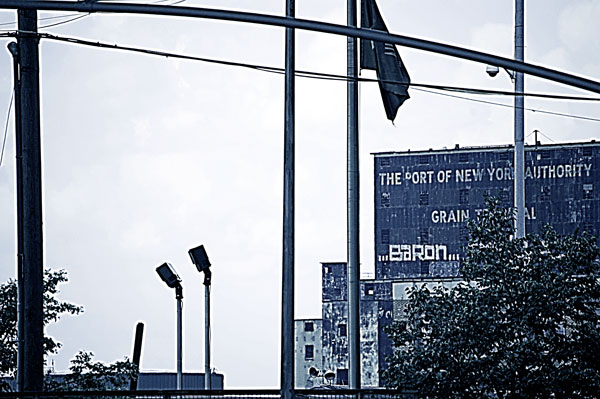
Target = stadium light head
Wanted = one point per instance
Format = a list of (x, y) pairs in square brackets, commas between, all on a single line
[(200, 259), (168, 275)]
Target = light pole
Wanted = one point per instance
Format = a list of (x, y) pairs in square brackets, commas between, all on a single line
[(519, 119), (200, 259), (170, 277)]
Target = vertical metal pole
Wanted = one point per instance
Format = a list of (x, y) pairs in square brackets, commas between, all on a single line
[(13, 47), (519, 161), (137, 354), (207, 381), (179, 296), (31, 205), (287, 290), (353, 207)]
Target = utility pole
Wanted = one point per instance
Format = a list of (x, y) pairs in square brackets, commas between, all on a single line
[(287, 289), (13, 47), (352, 190), (30, 205), (519, 158)]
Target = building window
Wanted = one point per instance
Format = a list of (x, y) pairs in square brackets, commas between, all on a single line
[(588, 192), (545, 193), (463, 157), (424, 236), (309, 352), (309, 326), (342, 330), (587, 151), (385, 236), (385, 200), (505, 156), (423, 159), (385, 162), (503, 196), (464, 233), (341, 377), (424, 199), (369, 289), (463, 196), (424, 268)]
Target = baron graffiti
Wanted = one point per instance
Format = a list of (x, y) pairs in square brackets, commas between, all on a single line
[(414, 252)]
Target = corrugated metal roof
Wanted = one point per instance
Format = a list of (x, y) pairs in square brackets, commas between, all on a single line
[(168, 380)]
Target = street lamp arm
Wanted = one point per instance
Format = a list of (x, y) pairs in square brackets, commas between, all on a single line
[(288, 22)]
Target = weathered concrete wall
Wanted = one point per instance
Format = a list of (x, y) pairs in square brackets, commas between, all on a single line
[(423, 200), (308, 335)]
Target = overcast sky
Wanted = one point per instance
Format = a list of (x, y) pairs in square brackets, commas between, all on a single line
[(145, 157)]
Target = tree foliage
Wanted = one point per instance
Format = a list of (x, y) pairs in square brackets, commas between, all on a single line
[(87, 375), (54, 308), (524, 323)]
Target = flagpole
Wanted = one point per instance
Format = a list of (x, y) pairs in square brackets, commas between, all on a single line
[(287, 289), (353, 205)]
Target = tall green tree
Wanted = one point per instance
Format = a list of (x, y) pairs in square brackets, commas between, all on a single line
[(524, 323), (54, 309)]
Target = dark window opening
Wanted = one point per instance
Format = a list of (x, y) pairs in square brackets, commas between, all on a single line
[(463, 157), (504, 196), (588, 191), (385, 236), (545, 193), (424, 159), (587, 151), (341, 377), (385, 200), (385, 162), (424, 199), (505, 156), (309, 326), (342, 331), (309, 352), (464, 233), (463, 196), (369, 289), (424, 268), (424, 237)]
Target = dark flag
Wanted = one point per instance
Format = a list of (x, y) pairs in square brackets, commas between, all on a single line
[(383, 58)]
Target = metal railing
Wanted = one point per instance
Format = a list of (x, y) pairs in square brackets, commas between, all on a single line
[(332, 393)]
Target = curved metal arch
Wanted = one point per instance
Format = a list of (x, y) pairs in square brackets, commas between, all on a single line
[(325, 27)]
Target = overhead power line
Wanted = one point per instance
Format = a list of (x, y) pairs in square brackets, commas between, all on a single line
[(6, 127), (333, 77)]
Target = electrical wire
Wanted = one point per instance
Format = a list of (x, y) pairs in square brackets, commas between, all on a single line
[(308, 74), (510, 106), (78, 14), (44, 18), (64, 22), (6, 126), (334, 77)]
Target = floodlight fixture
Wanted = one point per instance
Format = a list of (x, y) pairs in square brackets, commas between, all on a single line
[(168, 275), (200, 258), (313, 372)]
